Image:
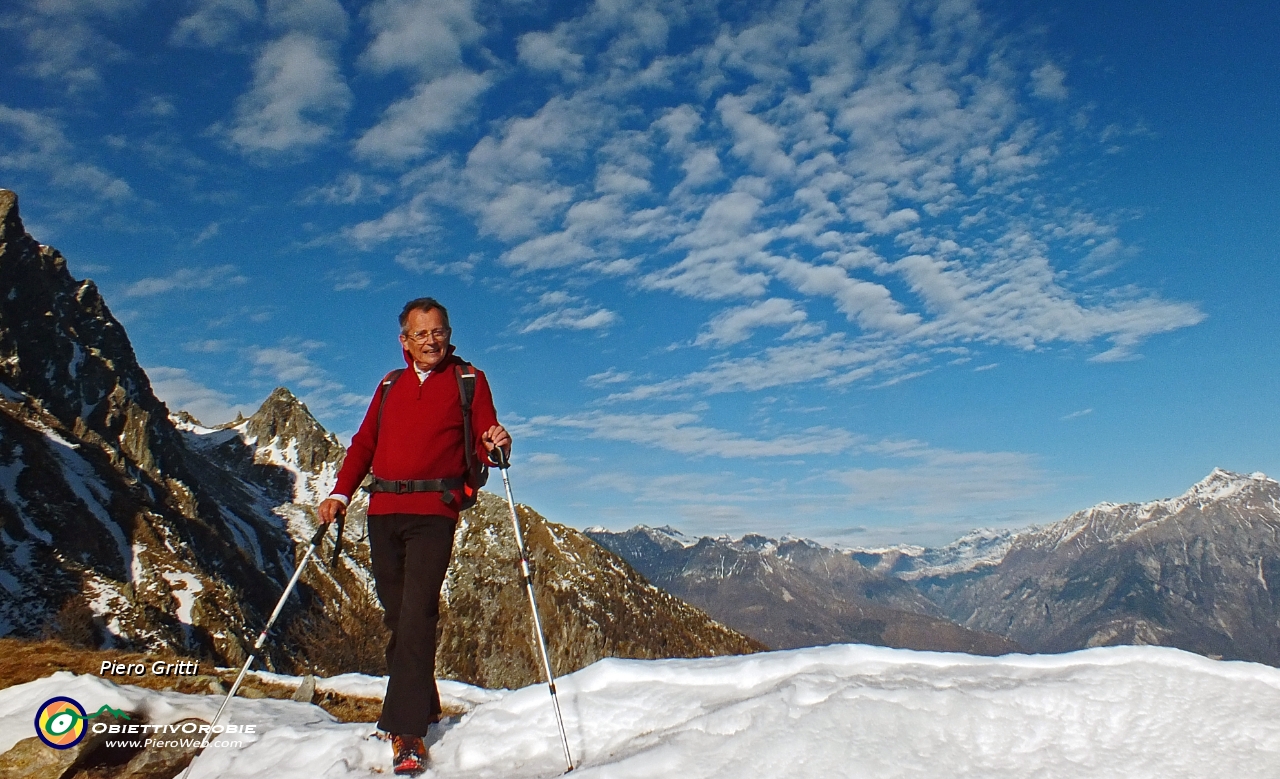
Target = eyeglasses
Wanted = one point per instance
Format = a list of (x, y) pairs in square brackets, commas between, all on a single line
[(422, 336)]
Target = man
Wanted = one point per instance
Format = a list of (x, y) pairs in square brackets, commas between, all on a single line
[(412, 439)]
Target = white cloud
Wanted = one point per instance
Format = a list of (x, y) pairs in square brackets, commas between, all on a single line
[(349, 189), (297, 98), (736, 324), (63, 40), (569, 313), (875, 156), (434, 108), (289, 364), (426, 37), (214, 22), (418, 261), (410, 219), (537, 466), (1047, 82), (548, 53), (320, 18), (833, 361), (869, 304), (520, 209), (755, 141), (353, 280), (180, 392), (207, 346), (681, 434), (604, 378), (941, 481), (1021, 302), (1077, 414), (211, 230), (35, 143), (185, 279)]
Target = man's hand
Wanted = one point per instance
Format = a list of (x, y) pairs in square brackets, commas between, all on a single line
[(496, 437), (329, 509)]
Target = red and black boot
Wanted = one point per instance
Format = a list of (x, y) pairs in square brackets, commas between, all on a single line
[(410, 757)]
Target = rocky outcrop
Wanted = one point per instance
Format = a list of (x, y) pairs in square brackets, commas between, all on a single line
[(104, 509)]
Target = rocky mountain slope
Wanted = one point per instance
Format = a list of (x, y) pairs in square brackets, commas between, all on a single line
[(794, 593), (123, 526), (110, 526), (1194, 572)]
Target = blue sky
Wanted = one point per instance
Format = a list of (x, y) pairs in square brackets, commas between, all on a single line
[(866, 272)]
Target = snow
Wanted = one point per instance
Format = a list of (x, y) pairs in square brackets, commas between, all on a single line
[(9, 473), (1218, 485), (308, 488), (838, 711), (85, 484), (185, 594)]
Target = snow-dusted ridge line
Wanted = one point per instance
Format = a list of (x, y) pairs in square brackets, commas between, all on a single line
[(842, 710)]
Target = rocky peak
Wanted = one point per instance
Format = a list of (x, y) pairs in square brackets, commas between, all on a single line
[(60, 343), (1219, 485), (1110, 523), (286, 424), (10, 223)]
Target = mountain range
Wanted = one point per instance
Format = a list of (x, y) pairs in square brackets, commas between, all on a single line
[(1193, 572)]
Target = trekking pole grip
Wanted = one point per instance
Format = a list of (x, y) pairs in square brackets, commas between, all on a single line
[(500, 457), (320, 531)]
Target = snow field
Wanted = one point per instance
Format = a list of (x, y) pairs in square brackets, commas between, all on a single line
[(838, 711)]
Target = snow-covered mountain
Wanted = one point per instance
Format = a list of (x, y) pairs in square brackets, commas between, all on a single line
[(839, 711), (1195, 572), (793, 592), (975, 549)]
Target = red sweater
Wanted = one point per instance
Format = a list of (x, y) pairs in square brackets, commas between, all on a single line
[(421, 438)]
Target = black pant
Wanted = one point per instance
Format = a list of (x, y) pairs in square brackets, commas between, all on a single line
[(410, 557)]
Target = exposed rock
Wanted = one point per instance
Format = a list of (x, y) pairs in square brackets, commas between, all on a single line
[(306, 691), (30, 758), (164, 762)]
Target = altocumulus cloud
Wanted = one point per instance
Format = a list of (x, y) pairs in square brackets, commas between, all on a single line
[(899, 182)]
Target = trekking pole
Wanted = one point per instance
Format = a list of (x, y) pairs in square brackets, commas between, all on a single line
[(500, 457), (262, 637)]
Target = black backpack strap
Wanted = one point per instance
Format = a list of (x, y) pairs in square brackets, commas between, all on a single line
[(387, 381), (466, 373)]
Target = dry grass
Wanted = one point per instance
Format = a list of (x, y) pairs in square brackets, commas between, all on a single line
[(24, 661)]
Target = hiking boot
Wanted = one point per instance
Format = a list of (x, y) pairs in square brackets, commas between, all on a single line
[(410, 758)]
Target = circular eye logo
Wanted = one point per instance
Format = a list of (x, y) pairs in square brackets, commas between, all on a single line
[(60, 723)]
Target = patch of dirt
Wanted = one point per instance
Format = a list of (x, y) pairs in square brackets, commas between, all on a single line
[(23, 661)]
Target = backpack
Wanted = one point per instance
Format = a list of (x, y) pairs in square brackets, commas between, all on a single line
[(477, 474)]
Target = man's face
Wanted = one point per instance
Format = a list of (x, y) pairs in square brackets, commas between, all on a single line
[(427, 338)]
